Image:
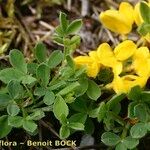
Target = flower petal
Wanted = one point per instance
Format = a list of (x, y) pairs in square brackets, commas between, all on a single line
[(137, 16), (93, 70), (105, 55), (82, 60), (125, 50), (140, 61), (115, 21), (124, 9)]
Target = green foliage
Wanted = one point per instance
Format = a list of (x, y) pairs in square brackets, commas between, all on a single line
[(5, 127), (144, 28), (44, 84), (110, 139), (64, 34), (52, 83), (93, 90)]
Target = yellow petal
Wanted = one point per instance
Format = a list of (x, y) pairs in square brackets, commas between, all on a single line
[(118, 85), (147, 37), (125, 50), (124, 84), (115, 21), (92, 67), (141, 62), (81, 60), (117, 68), (105, 55), (137, 16), (93, 55), (93, 70), (142, 52), (127, 10), (134, 81)]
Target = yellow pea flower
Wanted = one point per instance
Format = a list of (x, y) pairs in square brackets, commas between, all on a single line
[(124, 84), (139, 20), (141, 61), (136, 75), (119, 21), (123, 51), (92, 67), (141, 66)]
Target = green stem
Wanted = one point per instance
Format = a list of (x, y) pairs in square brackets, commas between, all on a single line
[(24, 113), (30, 93), (125, 130), (117, 118)]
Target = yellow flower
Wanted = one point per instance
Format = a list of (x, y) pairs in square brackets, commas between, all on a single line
[(118, 21), (126, 74), (139, 20), (130, 65), (92, 66)]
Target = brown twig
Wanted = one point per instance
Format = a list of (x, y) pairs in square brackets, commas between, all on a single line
[(49, 128)]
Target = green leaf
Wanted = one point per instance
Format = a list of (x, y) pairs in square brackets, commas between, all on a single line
[(120, 146), (29, 125), (75, 40), (43, 74), (63, 21), (89, 126), (145, 11), (70, 62), (110, 139), (93, 91), (130, 142), (49, 98), (74, 27), (76, 126), (99, 112), (13, 109), (15, 89), (28, 79), (79, 117), (145, 96), (58, 40), (55, 58), (4, 100), (40, 52), (80, 71), (5, 128), (140, 112), (69, 88), (144, 28), (36, 115), (148, 126), (60, 107), (8, 74), (59, 31), (116, 109), (57, 84), (138, 130), (40, 91), (67, 72), (15, 121), (135, 93), (17, 60), (64, 132), (82, 88), (102, 111), (63, 120), (32, 68), (115, 100), (80, 105), (131, 113)]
